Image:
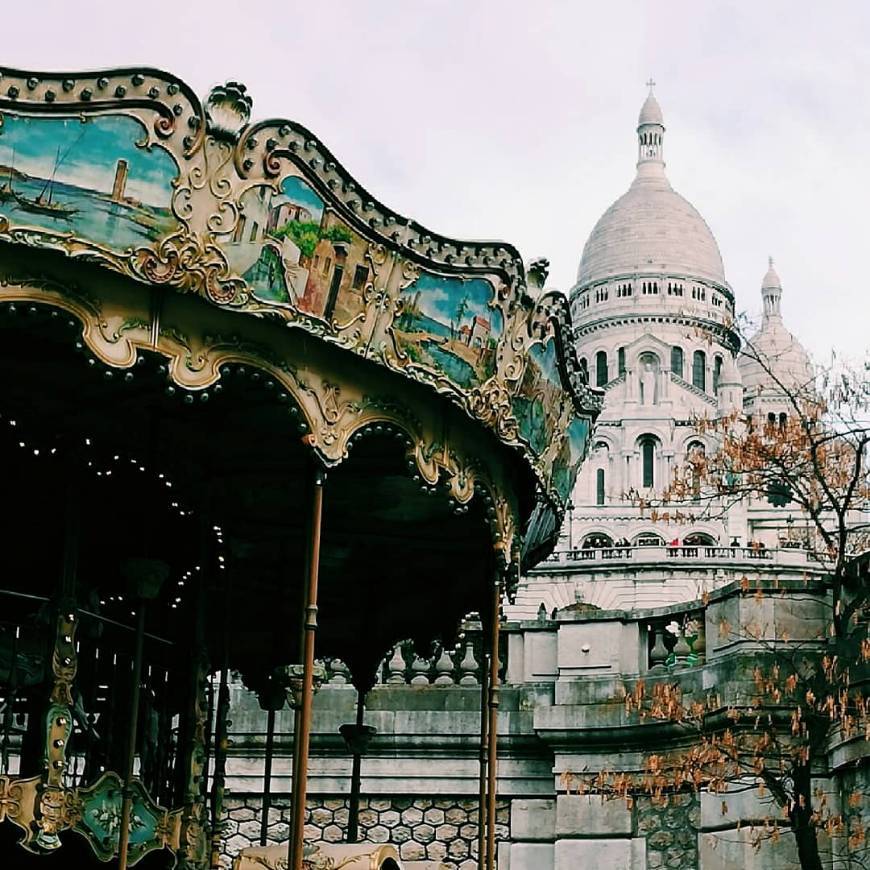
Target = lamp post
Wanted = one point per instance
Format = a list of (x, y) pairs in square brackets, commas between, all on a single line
[(144, 578), (357, 738)]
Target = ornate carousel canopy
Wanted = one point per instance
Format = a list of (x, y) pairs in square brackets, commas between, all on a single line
[(201, 316)]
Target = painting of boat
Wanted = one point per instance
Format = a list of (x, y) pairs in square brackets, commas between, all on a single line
[(97, 179)]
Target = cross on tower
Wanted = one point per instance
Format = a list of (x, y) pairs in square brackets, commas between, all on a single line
[(650, 84)]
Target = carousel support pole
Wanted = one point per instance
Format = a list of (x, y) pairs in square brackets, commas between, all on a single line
[(127, 803), (310, 630), (492, 761), (267, 775), (484, 757), (221, 744)]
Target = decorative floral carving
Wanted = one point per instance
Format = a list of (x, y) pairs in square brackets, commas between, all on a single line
[(188, 261)]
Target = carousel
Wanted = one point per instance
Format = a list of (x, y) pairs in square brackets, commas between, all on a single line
[(250, 418)]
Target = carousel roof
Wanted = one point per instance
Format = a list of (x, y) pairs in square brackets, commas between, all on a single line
[(218, 252)]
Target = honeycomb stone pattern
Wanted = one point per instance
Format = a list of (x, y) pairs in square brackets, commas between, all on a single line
[(437, 829)]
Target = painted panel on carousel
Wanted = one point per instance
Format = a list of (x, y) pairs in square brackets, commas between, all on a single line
[(572, 452), (539, 402), (94, 178), (449, 326), (293, 251)]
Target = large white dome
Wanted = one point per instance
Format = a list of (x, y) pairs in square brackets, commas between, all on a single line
[(651, 228)]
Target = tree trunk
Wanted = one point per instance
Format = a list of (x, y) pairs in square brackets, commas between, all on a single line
[(800, 817)]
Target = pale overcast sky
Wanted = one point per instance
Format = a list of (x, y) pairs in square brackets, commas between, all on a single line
[(515, 120)]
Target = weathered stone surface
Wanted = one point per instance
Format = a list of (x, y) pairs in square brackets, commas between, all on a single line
[(390, 818), (321, 816), (424, 833), (242, 814), (412, 851), (458, 849), (590, 815), (412, 816), (434, 816), (436, 851), (533, 856), (533, 819), (279, 831), (378, 834), (592, 853), (446, 832), (400, 834), (333, 834)]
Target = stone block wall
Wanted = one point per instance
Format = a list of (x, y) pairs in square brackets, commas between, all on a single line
[(436, 829)]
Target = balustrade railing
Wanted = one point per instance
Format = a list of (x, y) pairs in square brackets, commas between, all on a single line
[(676, 640), (700, 552), (460, 665)]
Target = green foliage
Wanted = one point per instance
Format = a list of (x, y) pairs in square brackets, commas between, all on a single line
[(337, 233), (304, 234)]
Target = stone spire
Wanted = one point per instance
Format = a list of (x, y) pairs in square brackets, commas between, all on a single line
[(771, 292), (650, 138)]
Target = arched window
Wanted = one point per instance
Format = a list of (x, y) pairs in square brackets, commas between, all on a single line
[(695, 456), (599, 486), (584, 368), (677, 361), (620, 356), (648, 539), (783, 420), (699, 370), (601, 368), (648, 460), (717, 372), (699, 539)]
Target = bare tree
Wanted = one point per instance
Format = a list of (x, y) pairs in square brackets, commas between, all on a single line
[(813, 456)]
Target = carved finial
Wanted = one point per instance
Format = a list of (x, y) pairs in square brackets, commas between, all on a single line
[(537, 272), (228, 110), (651, 84)]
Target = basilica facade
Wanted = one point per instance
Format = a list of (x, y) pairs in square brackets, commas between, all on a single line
[(657, 327)]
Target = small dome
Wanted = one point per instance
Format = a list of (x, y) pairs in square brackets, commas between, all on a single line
[(650, 112), (773, 356)]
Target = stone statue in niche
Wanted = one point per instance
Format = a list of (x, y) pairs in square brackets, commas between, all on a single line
[(648, 385)]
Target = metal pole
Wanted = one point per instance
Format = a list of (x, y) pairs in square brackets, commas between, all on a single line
[(127, 804), (310, 630), (355, 776), (267, 775), (484, 732), (492, 761), (221, 745)]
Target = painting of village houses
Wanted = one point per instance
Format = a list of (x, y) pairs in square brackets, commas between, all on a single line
[(94, 178), (447, 325), (292, 252)]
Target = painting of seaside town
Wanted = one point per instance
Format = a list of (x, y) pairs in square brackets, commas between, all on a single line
[(448, 325), (89, 177), (538, 402), (293, 252)]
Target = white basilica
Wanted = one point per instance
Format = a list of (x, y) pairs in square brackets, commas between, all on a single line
[(653, 314)]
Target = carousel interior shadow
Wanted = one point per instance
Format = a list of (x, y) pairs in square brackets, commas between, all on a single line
[(105, 466)]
